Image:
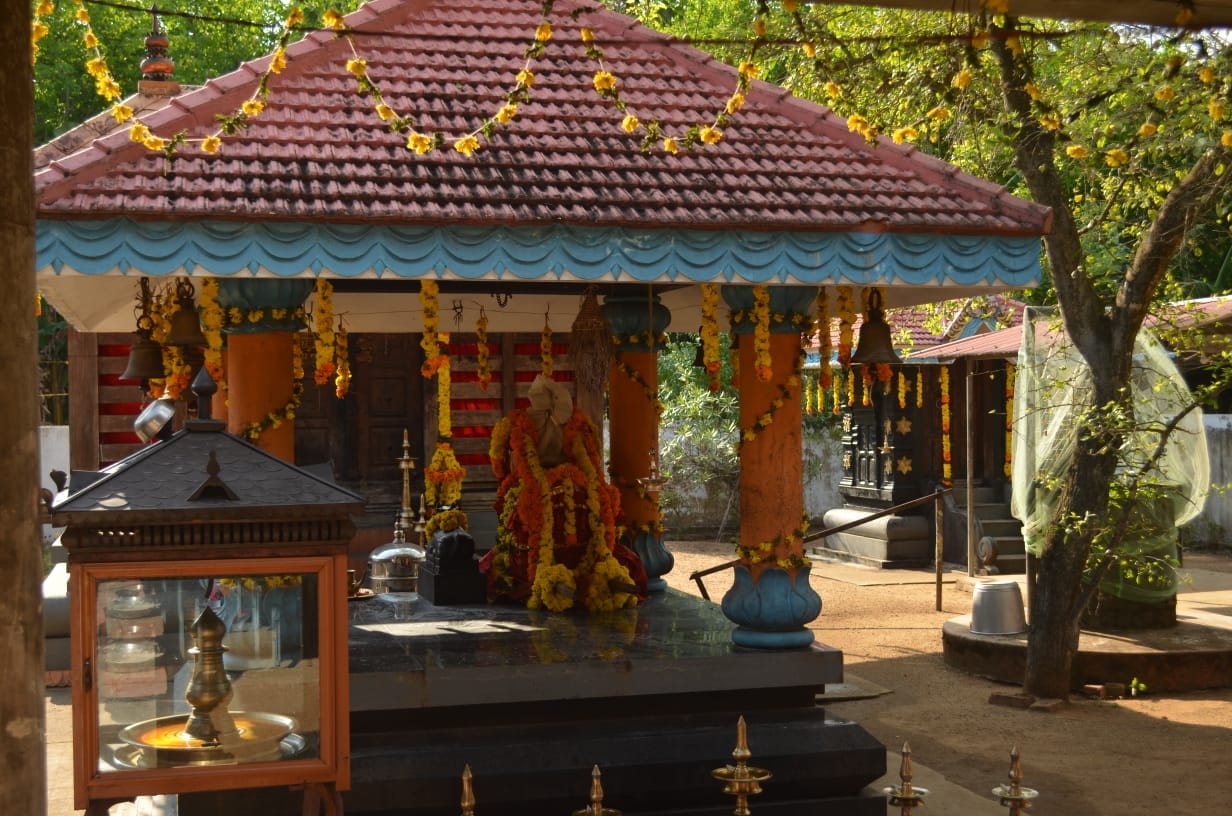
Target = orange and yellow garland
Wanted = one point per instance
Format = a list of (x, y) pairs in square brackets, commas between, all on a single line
[(444, 475), (481, 350), (761, 333), (526, 491), (323, 331), (710, 333), (342, 381), (1010, 374), (824, 379), (947, 469)]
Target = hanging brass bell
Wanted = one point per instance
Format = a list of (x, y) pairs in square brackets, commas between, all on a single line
[(185, 323), (145, 361), (875, 344)]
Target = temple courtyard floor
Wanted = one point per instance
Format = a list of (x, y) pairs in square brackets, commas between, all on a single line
[(1149, 754)]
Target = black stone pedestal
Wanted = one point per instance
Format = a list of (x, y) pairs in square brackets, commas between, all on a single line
[(531, 701)]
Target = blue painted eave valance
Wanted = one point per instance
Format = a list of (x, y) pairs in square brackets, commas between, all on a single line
[(557, 252)]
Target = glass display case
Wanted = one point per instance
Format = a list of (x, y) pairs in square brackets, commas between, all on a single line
[(208, 675)]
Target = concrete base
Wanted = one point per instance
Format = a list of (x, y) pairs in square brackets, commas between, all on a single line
[(888, 542), (1195, 654)]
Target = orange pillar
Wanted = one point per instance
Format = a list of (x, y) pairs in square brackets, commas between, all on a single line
[(259, 384), (770, 598), (771, 464), (634, 430)]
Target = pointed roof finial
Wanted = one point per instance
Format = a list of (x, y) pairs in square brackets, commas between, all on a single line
[(157, 68)]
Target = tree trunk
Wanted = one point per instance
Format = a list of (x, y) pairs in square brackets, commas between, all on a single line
[(23, 756)]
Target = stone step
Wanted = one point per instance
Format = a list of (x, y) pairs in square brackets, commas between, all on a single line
[(983, 493), (1011, 556), (1001, 527)]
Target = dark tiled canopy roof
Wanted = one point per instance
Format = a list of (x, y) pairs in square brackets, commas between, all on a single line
[(319, 152)]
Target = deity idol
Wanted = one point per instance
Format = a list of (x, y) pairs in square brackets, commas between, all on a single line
[(556, 537)]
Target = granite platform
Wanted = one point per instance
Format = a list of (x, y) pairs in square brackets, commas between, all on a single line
[(532, 701)]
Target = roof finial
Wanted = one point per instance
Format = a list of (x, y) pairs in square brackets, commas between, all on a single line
[(157, 68)]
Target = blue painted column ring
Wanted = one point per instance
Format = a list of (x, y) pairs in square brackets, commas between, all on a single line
[(266, 295), (771, 611), (629, 315)]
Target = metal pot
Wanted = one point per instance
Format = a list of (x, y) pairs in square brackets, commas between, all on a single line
[(394, 567), (154, 418)]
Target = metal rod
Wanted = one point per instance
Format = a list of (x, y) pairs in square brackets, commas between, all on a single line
[(970, 437), (939, 538), (697, 576)]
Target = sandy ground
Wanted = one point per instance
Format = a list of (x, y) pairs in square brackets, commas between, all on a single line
[(1139, 756)]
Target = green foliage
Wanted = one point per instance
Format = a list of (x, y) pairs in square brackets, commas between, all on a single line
[(700, 427)]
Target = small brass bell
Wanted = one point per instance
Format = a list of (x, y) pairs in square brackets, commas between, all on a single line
[(185, 323)]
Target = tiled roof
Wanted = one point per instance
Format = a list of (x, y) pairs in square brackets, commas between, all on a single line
[(320, 153)]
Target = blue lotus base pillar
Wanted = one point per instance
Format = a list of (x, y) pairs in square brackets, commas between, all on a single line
[(771, 612), (656, 558)]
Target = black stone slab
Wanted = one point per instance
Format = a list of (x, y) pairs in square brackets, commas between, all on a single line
[(672, 644)]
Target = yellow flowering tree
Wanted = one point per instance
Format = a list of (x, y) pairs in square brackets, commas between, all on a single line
[(1125, 135)]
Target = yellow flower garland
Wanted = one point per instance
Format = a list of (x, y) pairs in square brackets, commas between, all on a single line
[(777, 551), (429, 292), (211, 326), (710, 333), (323, 331), (825, 379), (342, 382), (444, 394), (846, 319), (177, 371), (545, 348), (425, 142), (482, 351), (902, 391), (761, 333), (106, 86), (919, 388), (947, 470), (1010, 375), (699, 135), (766, 418)]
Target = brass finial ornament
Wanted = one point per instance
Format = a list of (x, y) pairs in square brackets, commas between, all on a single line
[(905, 795), (157, 66), (652, 483), (596, 808), (468, 793), (740, 780), (1014, 796), (406, 464)]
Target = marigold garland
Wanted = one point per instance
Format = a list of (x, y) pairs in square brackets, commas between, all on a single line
[(212, 320), (545, 348), (699, 135), (766, 418), (482, 351), (808, 398), (846, 319), (444, 393), (107, 87), (446, 521), (866, 384), (947, 471), (778, 550), (710, 333), (423, 141), (919, 388), (837, 394), (1010, 376), (342, 382), (177, 371), (824, 341), (429, 292), (443, 477), (525, 504), (274, 419), (323, 331), (761, 333)]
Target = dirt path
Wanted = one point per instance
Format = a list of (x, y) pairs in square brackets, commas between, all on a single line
[(1152, 755)]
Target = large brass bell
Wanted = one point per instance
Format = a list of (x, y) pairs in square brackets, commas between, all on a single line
[(875, 344), (145, 360)]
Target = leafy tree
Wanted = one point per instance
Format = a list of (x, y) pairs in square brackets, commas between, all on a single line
[(1122, 131), (207, 38)]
